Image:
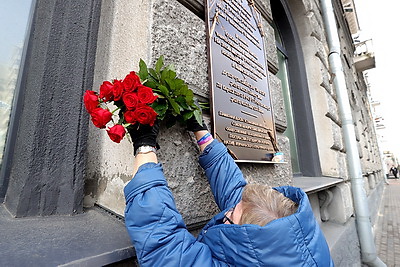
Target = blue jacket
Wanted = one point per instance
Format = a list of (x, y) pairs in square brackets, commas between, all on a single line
[(160, 236)]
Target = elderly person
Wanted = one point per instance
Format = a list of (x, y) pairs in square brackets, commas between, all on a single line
[(257, 225)]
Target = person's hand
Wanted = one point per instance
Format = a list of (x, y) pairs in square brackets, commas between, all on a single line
[(144, 135), (193, 125)]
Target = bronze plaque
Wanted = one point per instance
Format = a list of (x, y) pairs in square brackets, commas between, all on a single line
[(240, 97)]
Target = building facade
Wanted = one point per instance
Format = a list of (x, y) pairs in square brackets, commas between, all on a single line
[(57, 163)]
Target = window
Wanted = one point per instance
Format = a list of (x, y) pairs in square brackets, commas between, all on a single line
[(14, 20), (300, 124), (282, 74)]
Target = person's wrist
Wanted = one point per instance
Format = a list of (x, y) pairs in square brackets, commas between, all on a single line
[(199, 134), (145, 149), (204, 139)]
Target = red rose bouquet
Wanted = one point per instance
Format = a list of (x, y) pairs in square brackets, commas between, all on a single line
[(141, 98)]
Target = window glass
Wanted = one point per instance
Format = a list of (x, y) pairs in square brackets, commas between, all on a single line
[(290, 130), (14, 16), (283, 75)]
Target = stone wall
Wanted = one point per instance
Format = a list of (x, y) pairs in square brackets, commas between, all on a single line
[(122, 41), (176, 30), (324, 104), (327, 123), (179, 35)]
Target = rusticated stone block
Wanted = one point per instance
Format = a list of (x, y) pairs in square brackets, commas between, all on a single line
[(371, 180), (332, 109), (360, 150), (337, 137), (315, 203), (278, 104), (366, 184), (272, 174), (183, 44), (322, 54), (179, 154), (357, 130), (341, 208), (342, 164), (316, 25), (308, 5), (265, 8), (269, 41)]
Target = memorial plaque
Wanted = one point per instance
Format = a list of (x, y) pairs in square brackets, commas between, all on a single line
[(240, 97)]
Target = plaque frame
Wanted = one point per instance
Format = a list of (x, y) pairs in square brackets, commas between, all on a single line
[(243, 129)]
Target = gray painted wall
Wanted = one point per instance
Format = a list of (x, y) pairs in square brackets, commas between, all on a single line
[(47, 167)]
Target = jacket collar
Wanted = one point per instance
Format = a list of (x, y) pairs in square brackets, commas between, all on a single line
[(293, 240)]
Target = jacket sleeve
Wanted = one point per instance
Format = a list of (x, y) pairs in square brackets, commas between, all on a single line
[(156, 228), (225, 178)]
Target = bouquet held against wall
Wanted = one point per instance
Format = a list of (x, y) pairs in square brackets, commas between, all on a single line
[(140, 99)]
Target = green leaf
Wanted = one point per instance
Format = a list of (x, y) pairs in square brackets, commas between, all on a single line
[(164, 90), (182, 102), (151, 84), (189, 97), (160, 96), (197, 115), (154, 74), (143, 73), (174, 105), (187, 115), (170, 67), (182, 90), (160, 107), (175, 101), (121, 117), (171, 84), (204, 105), (167, 74), (179, 83), (159, 64)]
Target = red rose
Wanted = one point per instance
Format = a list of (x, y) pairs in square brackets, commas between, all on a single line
[(129, 116), (106, 91), (91, 100), (130, 100), (100, 117), (116, 133), (131, 82), (118, 90), (145, 114), (146, 95)]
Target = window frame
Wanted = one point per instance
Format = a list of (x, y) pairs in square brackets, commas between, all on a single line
[(308, 155), (17, 103)]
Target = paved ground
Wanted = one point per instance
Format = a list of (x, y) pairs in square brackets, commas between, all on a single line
[(387, 231)]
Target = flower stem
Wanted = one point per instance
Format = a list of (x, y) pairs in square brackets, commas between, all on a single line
[(115, 110)]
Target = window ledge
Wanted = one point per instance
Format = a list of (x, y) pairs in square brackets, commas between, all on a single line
[(94, 238), (314, 184)]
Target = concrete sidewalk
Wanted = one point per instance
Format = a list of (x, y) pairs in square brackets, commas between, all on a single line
[(387, 229)]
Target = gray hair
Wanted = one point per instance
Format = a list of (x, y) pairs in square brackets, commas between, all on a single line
[(262, 204)]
